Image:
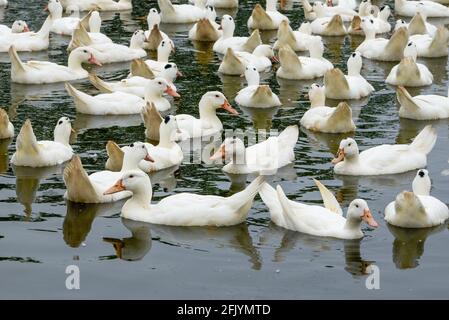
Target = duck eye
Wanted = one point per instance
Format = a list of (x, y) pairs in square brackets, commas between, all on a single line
[(60, 122), (421, 173), (356, 205), (132, 145), (131, 176), (410, 44), (349, 144), (85, 51), (160, 82), (230, 19), (143, 147), (371, 21), (217, 96), (353, 55), (254, 69)]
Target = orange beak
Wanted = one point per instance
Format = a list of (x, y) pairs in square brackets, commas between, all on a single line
[(46, 8), (368, 218), (117, 187), (148, 158), (220, 154), (228, 107), (26, 29), (171, 92), (93, 60), (179, 74), (274, 59), (339, 157)]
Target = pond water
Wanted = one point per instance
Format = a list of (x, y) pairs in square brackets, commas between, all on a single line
[(41, 234)]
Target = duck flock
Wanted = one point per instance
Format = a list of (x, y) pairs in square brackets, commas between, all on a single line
[(149, 83)]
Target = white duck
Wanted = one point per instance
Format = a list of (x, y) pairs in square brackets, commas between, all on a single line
[(163, 53), (298, 40), (256, 95), (122, 103), (380, 25), (418, 25), (380, 48), (346, 87), (183, 209), (227, 40), (90, 188), (102, 5), (329, 26), (136, 84), (6, 127), (430, 8), (154, 35), (422, 107), (18, 26), (386, 158), (64, 25), (234, 63), (417, 209), (45, 153), (82, 38), (264, 157), (327, 221), (295, 67), (95, 29), (408, 72), (268, 19), (321, 118), (323, 11), (223, 4), (432, 46), (206, 29), (39, 72), (180, 13)]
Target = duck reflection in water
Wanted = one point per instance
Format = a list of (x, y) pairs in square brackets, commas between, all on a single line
[(4, 156)]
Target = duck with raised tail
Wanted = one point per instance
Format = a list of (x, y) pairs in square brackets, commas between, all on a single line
[(256, 95), (154, 35), (206, 29), (418, 25), (227, 39), (183, 209), (323, 11), (223, 4), (294, 67), (432, 46), (327, 221), (180, 13), (82, 38), (380, 48), (268, 19), (408, 72), (39, 72), (298, 40), (265, 157), (6, 127), (90, 188), (350, 86), (121, 103), (234, 63), (321, 118), (386, 158), (417, 209), (380, 22), (165, 48), (64, 25), (33, 153), (329, 26), (422, 107), (18, 26), (102, 5), (431, 9)]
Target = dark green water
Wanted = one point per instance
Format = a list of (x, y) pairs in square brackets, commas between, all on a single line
[(40, 234)]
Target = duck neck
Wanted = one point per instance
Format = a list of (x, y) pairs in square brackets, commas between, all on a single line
[(163, 55), (239, 162), (352, 224), (141, 197), (135, 44), (253, 79), (62, 136), (46, 26), (151, 94), (370, 34), (207, 112), (74, 63), (228, 31), (95, 24), (318, 101), (130, 162), (165, 140), (354, 69), (271, 5)]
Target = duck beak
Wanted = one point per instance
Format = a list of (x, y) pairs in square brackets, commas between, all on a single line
[(26, 29), (228, 107), (368, 218), (339, 157), (179, 74), (93, 60), (171, 92), (274, 59), (220, 28), (72, 130), (46, 8), (117, 187), (220, 154), (148, 158)]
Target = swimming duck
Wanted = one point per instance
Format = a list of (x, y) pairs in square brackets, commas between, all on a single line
[(234, 63), (45, 153), (18, 26), (90, 188), (206, 29), (227, 40), (264, 157), (39, 72), (380, 48), (295, 67), (329, 26), (422, 107), (121, 102), (297, 40), (223, 4), (432, 46), (326, 119), (180, 13), (136, 84), (268, 19), (256, 95), (94, 24), (386, 158), (6, 127), (163, 53), (183, 209), (323, 11), (417, 209), (102, 5), (347, 87), (418, 25), (430, 8), (82, 38), (64, 25), (154, 35), (408, 72), (327, 221), (380, 25)]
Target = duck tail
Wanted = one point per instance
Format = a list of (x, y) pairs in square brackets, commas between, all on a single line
[(246, 196), (80, 37), (260, 16), (205, 31), (261, 95), (100, 84), (4, 123), (440, 40), (417, 25), (17, 65), (425, 140), (342, 115), (140, 69), (270, 198), (289, 136), (115, 156), (396, 44), (287, 209), (233, 63), (253, 41), (406, 100), (85, 20), (26, 143), (154, 39), (285, 35), (335, 26), (356, 22), (81, 99), (288, 58), (79, 187), (152, 120), (165, 6)]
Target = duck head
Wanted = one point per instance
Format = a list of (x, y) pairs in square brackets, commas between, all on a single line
[(153, 18), (264, 50), (231, 148), (54, 7), (359, 211), (421, 184), (214, 100), (354, 64), (399, 24), (252, 75), (133, 154), (137, 40), (227, 25), (165, 48), (316, 95), (171, 72), (72, 10), (62, 131), (95, 22), (410, 51), (19, 26), (169, 130), (135, 181), (211, 14), (347, 150), (82, 54), (158, 86), (367, 25)]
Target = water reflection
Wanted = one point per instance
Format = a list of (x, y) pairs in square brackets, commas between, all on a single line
[(85, 122), (4, 157), (408, 244), (290, 91), (204, 54), (355, 265), (262, 118), (330, 141), (135, 247)]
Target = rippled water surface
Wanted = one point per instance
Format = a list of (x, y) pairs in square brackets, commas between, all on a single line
[(41, 234)]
